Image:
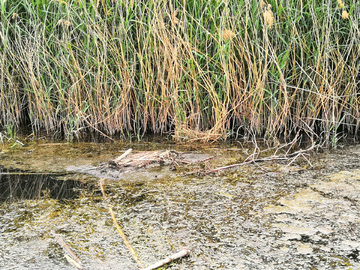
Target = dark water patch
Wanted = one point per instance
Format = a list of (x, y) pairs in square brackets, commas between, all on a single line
[(20, 185), (354, 255)]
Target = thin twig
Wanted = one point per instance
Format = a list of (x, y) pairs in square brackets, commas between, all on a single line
[(169, 259), (230, 166), (126, 241), (102, 133), (286, 156), (70, 255)]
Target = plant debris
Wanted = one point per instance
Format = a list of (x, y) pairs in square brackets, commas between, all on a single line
[(129, 161)]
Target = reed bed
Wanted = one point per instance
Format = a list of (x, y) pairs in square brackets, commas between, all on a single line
[(200, 70)]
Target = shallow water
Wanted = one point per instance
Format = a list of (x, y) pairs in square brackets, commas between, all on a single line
[(260, 216)]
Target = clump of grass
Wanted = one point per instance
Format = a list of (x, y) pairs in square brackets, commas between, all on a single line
[(197, 69)]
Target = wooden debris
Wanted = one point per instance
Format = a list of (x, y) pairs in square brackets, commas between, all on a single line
[(130, 161), (143, 159), (169, 259)]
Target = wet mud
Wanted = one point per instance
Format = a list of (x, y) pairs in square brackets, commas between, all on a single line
[(258, 216)]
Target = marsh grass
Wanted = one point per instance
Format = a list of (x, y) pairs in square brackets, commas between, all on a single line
[(200, 70)]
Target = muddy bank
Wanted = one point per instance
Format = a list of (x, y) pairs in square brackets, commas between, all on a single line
[(259, 216)]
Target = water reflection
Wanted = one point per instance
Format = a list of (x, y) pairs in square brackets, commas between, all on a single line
[(17, 185)]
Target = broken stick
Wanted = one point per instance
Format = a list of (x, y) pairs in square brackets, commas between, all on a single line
[(169, 259), (127, 152)]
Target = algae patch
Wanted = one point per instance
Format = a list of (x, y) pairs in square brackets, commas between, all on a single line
[(345, 184)]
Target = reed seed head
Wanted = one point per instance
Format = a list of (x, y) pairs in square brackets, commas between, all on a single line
[(228, 34), (269, 18), (174, 20), (64, 22), (341, 4), (345, 14), (262, 4)]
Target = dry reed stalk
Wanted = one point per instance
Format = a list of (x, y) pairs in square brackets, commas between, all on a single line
[(263, 4), (120, 231), (70, 255), (167, 68), (187, 134)]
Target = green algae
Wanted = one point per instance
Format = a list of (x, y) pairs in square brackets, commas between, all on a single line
[(248, 218)]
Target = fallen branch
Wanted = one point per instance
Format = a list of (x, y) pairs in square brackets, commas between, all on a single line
[(169, 259), (126, 241), (230, 166), (286, 156)]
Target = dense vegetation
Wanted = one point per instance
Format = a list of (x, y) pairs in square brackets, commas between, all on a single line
[(198, 69)]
